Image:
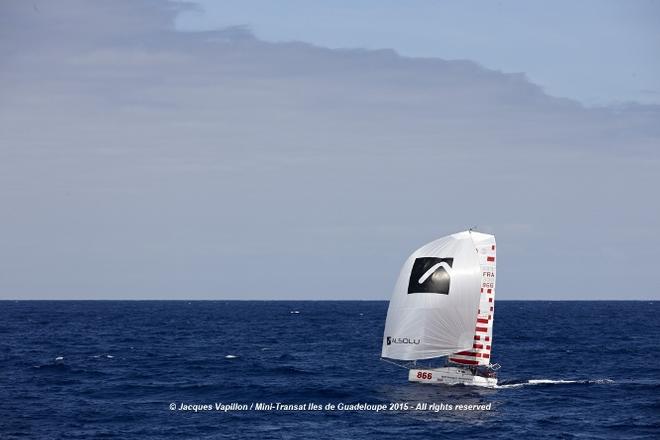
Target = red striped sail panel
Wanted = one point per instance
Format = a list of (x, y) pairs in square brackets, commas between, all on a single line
[(480, 353), (463, 361)]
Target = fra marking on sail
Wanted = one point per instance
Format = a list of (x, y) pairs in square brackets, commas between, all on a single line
[(488, 280)]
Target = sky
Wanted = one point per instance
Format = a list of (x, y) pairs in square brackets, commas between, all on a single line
[(142, 157), (600, 52)]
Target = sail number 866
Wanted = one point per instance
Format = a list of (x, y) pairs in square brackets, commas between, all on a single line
[(424, 375)]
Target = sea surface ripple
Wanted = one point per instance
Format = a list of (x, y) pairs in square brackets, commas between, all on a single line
[(110, 369)]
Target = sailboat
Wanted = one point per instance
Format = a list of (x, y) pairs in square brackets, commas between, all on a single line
[(442, 311)]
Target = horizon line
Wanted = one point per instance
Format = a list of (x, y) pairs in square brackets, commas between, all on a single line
[(299, 300)]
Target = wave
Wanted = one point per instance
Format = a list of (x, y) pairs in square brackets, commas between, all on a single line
[(519, 384), (60, 367), (287, 357), (287, 370)]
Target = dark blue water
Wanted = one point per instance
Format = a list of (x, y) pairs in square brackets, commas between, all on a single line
[(123, 363)]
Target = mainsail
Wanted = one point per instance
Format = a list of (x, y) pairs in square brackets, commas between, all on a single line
[(442, 303), (479, 354)]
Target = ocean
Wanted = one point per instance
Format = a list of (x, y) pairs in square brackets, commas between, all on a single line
[(258, 369)]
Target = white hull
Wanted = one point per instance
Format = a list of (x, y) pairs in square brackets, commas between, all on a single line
[(450, 376)]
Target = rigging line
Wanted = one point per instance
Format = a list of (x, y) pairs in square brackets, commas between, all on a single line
[(394, 363)]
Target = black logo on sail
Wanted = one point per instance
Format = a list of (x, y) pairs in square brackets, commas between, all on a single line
[(430, 275), (410, 341)]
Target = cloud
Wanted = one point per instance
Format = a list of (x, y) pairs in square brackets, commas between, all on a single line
[(138, 161)]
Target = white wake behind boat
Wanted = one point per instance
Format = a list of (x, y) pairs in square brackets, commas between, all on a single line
[(442, 309)]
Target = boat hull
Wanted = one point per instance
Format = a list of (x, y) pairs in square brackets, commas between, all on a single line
[(450, 376)]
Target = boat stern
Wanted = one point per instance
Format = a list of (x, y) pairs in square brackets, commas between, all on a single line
[(450, 376)]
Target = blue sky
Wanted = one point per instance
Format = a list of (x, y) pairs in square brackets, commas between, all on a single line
[(139, 160), (600, 52)]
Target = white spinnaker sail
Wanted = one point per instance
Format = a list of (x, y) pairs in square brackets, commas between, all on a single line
[(434, 306)]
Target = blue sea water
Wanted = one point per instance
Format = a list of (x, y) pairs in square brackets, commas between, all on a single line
[(111, 369)]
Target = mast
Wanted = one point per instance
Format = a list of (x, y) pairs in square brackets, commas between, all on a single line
[(480, 352)]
